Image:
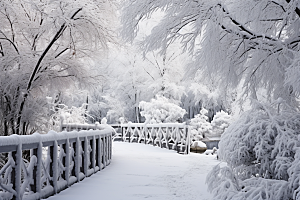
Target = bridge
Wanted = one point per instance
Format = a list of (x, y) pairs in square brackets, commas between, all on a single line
[(80, 151)]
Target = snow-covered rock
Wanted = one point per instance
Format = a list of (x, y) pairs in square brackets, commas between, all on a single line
[(198, 146), (213, 151)]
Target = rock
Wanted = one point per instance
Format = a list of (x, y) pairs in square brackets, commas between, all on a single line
[(198, 147)]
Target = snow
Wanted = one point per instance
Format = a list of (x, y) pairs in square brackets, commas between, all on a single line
[(140, 171), (51, 136)]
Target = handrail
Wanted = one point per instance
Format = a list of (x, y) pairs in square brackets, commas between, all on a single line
[(78, 127), (174, 136), (57, 160)]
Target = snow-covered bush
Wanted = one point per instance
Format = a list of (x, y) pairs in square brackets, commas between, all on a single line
[(160, 110), (63, 113), (220, 122), (262, 153), (104, 120), (200, 126)]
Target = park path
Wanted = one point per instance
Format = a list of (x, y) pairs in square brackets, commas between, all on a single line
[(139, 171)]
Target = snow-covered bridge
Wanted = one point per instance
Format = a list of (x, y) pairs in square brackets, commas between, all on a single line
[(140, 171), (90, 151)]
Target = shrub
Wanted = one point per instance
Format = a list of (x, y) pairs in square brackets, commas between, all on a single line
[(262, 153), (220, 122), (200, 126), (160, 110)]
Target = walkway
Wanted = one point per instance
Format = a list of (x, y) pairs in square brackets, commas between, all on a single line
[(141, 171)]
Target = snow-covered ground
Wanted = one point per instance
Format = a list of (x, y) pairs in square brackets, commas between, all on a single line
[(140, 171)]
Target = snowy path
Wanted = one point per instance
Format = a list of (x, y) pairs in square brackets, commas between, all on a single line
[(141, 171)]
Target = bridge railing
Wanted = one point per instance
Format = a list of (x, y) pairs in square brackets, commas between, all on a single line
[(174, 136), (57, 160)]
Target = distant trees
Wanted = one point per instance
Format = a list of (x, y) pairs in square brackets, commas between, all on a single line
[(44, 48)]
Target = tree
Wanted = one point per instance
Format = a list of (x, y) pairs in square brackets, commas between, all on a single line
[(220, 122), (254, 43), (45, 47), (261, 150), (161, 110), (200, 127)]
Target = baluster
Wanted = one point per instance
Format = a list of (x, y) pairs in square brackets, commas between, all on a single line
[(97, 159), (36, 186), (129, 131), (53, 166), (107, 147), (86, 152), (144, 133), (66, 161), (99, 153), (188, 131), (77, 162), (73, 172), (110, 147), (104, 152), (93, 157), (122, 132), (167, 138), (16, 172)]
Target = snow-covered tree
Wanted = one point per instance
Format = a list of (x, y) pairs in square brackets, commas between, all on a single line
[(167, 73), (200, 126), (45, 47), (127, 80), (220, 122), (261, 150), (65, 114), (161, 110), (255, 43)]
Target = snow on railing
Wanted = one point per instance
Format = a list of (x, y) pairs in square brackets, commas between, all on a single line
[(57, 160), (174, 136), (79, 127)]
